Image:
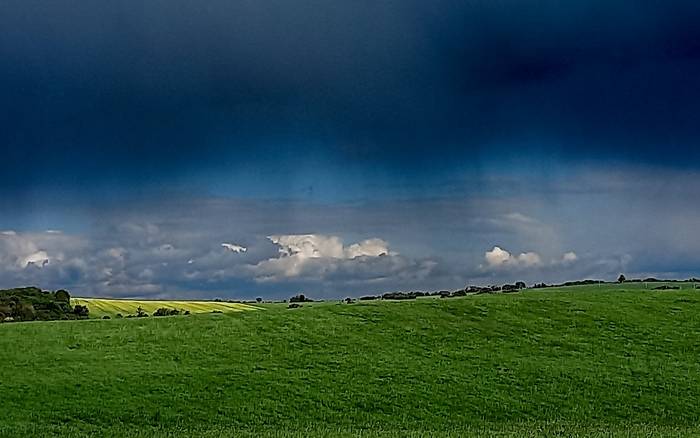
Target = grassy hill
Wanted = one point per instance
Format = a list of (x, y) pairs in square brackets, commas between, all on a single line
[(579, 361), (100, 307)]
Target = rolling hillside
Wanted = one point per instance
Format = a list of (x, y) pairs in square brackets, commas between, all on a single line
[(580, 361)]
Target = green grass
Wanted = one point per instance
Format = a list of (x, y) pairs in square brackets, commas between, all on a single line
[(579, 361), (100, 307)]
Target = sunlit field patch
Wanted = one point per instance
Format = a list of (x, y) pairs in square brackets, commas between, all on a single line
[(110, 307)]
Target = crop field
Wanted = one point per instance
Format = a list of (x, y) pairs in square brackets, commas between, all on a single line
[(600, 361), (111, 307)]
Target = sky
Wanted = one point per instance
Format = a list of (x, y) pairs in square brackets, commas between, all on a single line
[(237, 149)]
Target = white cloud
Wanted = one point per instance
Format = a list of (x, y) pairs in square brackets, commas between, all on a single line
[(21, 251), (569, 257), (369, 247), (528, 259), (499, 257), (320, 253), (39, 259), (306, 246), (234, 248)]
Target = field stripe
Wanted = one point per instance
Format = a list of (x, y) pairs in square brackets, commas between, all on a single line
[(101, 306)]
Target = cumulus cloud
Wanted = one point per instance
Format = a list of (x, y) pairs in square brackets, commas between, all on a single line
[(499, 257), (39, 259), (369, 247), (569, 257), (22, 251), (317, 246), (234, 248), (318, 253)]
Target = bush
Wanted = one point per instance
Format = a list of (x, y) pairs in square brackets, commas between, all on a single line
[(402, 295), (62, 295), (81, 311), (119, 315), (106, 317), (301, 298), (293, 306), (164, 311)]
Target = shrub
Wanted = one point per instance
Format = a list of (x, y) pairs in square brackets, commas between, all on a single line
[(106, 317), (81, 311), (25, 312), (401, 295), (119, 315), (164, 311), (62, 295), (293, 306)]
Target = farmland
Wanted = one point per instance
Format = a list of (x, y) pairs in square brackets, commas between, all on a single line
[(112, 307), (603, 360)]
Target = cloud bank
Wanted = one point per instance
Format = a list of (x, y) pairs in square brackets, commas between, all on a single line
[(156, 247)]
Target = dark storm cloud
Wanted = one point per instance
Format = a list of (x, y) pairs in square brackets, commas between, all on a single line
[(152, 132), (147, 93)]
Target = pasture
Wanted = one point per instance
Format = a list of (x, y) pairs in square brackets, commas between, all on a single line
[(580, 361)]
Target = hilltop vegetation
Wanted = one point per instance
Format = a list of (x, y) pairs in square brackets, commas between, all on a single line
[(578, 361), (31, 303)]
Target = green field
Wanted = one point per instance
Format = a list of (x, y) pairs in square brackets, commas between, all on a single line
[(578, 361), (100, 307)]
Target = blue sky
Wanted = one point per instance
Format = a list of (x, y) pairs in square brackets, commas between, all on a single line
[(387, 146)]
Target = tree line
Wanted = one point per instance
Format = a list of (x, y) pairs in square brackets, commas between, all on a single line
[(34, 304)]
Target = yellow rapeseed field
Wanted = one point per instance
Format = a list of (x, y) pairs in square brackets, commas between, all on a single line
[(100, 307)]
